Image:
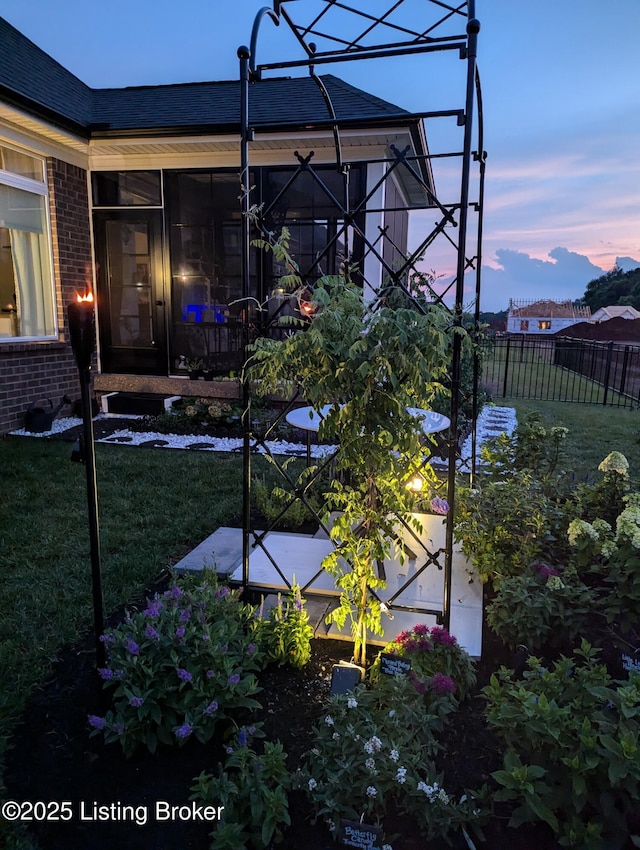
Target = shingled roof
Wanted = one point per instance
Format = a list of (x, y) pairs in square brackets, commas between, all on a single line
[(31, 80)]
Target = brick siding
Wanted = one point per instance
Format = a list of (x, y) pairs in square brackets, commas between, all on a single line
[(32, 371)]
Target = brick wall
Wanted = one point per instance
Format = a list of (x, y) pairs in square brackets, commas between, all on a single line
[(32, 371)]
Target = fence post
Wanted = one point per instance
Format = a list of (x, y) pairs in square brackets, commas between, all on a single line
[(506, 369), (625, 366), (607, 372)]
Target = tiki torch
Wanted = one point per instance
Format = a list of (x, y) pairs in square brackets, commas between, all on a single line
[(82, 332)]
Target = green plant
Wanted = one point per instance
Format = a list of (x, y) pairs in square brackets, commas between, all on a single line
[(179, 668), (506, 525), (193, 364), (380, 746), (572, 757), (435, 655), (369, 365), (286, 636), (541, 607), (253, 790), (614, 559)]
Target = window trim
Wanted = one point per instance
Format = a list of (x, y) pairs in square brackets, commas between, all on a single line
[(41, 188)]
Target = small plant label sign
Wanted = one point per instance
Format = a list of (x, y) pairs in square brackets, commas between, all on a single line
[(360, 835), (394, 665), (629, 664)]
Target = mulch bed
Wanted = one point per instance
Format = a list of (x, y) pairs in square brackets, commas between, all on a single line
[(54, 758)]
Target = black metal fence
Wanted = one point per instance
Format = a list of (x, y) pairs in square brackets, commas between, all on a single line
[(562, 369)]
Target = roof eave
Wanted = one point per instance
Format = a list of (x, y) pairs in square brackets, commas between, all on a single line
[(44, 113)]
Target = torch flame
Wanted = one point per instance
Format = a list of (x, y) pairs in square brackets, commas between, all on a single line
[(87, 297)]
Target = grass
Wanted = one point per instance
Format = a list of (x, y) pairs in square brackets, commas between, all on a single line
[(594, 431), (154, 507)]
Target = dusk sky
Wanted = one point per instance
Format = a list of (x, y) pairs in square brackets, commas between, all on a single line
[(561, 88)]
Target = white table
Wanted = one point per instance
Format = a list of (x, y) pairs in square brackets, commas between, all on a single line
[(309, 419)]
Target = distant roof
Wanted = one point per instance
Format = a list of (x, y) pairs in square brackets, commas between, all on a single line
[(547, 309), (31, 80), (617, 310)]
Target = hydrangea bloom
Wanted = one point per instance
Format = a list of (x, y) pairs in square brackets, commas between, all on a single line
[(615, 462), (555, 583), (439, 506), (579, 528)]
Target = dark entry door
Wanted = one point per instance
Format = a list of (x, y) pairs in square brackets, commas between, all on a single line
[(130, 284)]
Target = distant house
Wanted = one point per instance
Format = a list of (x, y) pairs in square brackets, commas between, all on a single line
[(543, 317), (619, 311)]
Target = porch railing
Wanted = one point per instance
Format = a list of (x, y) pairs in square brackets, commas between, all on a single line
[(562, 369)]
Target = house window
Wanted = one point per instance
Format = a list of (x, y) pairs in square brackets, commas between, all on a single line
[(524, 324), (26, 282), (544, 325)]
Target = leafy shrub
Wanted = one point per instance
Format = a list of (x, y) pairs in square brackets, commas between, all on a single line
[(614, 559), (373, 753), (179, 668), (435, 655), (192, 416), (286, 636), (540, 607), (506, 525), (572, 757), (253, 790)]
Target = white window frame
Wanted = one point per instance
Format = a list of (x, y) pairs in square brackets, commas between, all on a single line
[(41, 188)]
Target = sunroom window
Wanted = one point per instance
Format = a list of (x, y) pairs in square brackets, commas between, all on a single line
[(26, 285)]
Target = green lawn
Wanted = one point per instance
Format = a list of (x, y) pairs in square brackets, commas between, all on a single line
[(594, 431)]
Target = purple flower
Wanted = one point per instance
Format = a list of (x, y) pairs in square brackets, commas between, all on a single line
[(224, 649), (221, 593), (132, 646), (180, 631), (242, 737), (118, 728), (184, 675), (297, 600), (442, 684), (441, 635), (229, 751), (251, 730), (185, 615), (97, 722), (233, 680), (176, 593), (421, 629), (251, 649), (153, 609), (151, 633), (206, 636), (107, 640), (184, 731), (439, 506), (210, 674), (544, 570), (136, 702), (211, 708), (418, 685), (105, 673)]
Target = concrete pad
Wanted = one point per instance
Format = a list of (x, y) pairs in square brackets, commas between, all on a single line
[(296, 555), (221, 551)]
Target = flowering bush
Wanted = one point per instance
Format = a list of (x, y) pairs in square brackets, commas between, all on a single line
[(572, 756), (178, 668), (439, 665), (194, 415), (373, 753), (286, 636), (253, 790), (540, 607), (614, 558)]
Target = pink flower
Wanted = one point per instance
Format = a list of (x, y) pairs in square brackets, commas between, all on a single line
[(441, 635), (421, 629), (442, 684)]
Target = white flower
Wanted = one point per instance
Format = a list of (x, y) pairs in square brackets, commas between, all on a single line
[(443, 796), (401, 775), (392, 713), (331, 825), (370, 763), (372, 791), (555, 583), (394, 755), (580, 528), (615, 462), (312, 784), (329, 720), (352, 702), (336, 736), (387, 847)]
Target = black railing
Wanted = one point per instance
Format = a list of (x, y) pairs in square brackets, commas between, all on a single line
[(562, 369)]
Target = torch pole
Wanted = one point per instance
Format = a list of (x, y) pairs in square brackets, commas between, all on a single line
[(92, 506)]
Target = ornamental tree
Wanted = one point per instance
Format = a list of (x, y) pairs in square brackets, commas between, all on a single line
[(368, 362)]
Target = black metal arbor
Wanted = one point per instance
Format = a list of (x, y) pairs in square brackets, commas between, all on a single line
[(329, 32)]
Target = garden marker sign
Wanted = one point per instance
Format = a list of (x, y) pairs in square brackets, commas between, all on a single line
[(352, 833), (393, 665)]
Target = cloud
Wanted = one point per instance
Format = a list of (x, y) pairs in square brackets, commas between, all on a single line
[(518, 275)]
